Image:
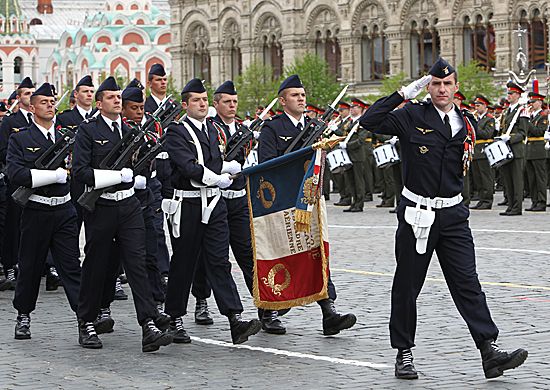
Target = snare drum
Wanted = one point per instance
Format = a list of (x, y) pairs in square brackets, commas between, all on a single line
[(338, 161), (251, 159), (386, 155), (498, 153)]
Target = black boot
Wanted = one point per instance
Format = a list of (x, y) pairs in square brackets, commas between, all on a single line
[(9, 282), (153, 338), (23, 327), (404, 366), (52, 280), (496, 360), (334, 322), (120, 294), (271, 323), (241, 330), (178, 332), (163, 320), (202, 315), (104, 322), (87, 336)]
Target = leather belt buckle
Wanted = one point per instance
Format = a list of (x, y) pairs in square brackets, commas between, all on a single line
[(438, 203)]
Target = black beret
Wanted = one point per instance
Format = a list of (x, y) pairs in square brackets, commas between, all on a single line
[(13, 96), (109, 84), (26, 83), (441, 69), (227, 87), (44, 90), (85, 81), (513, 87), (157, 70), (291, 82), (132, 94), (135, 83), (194, 85)]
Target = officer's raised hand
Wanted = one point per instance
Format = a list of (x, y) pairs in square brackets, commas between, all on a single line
[(413, 89)]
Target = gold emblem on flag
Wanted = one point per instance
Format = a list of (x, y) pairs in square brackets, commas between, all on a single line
[(310, 191), (270, 280), (266, 186)]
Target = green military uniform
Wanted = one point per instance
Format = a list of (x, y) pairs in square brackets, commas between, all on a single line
[(355, 177), (536, 161), (369, 167), (512, 172), (388, 189), (483, 175), (338, 177)]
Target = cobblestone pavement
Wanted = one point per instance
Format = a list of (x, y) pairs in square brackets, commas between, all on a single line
[(512, 255)]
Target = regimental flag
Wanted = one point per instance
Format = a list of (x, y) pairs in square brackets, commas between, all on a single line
[(290, 259)]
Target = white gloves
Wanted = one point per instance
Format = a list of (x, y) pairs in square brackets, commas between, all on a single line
[(231, 167), (343, 145), (224, 180), (504, 137), (126, 175), (393, 140), (547, 135), (256, 134), (61, 175), (140, 182), (413, 89)]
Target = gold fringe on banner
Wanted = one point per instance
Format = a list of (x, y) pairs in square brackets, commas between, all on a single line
[(302, 221)]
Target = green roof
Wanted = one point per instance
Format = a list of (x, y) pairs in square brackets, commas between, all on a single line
[(10, 7)]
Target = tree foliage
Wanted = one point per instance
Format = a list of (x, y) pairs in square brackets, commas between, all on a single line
[(475, 80), (319, 81), (256, 87), (390, 84)]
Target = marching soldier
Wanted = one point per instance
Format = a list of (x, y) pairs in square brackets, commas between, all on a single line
[(339, 178), (117, 216), (482, 172), (432, 136), (48, 222), (516, 118), (536, 153), (10, 125), (277, 135), (157, 83), (199, 227)]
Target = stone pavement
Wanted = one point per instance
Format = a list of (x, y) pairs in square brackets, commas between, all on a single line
[(512, 255)]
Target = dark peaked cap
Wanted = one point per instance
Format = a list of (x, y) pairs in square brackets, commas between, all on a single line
[(291, 82), (85, 81), (513, 87), (194, 85), (441, 69), (157, 70), (26, 83), (44, 90), (109, 84), (135, 83), (133, 94), (227, 87)]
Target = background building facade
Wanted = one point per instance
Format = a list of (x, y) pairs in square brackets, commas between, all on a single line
[(362, 40)]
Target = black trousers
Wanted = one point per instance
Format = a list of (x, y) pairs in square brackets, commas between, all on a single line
[(10, 255), (123, 223), (162, 256), (238, 217), (44, 229), (451, 238), (3, 210), (209, 242), (512, 175)]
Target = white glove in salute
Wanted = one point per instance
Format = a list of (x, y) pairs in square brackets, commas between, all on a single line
[(413, 89)]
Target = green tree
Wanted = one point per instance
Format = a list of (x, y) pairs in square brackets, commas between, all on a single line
[(319, 81), (256, 87), (390, 84), (475, 80)]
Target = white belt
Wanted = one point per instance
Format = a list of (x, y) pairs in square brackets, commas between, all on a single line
[(53, 201), (153, 174), (232, 194), (435, 203), (210, 192), (162, 156), (119, 195)]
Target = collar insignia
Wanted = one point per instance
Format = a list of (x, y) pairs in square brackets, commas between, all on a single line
[(16, 129), (33, 150), (424, 131), (101, 141)]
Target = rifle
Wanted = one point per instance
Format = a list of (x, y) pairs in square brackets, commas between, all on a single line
[(166, 112), (50, 159), (245, 134), (61, 99), (315, 127), (123, 151), (12, 107)]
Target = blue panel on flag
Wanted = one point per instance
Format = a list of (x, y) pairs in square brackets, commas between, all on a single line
[(276, 188)]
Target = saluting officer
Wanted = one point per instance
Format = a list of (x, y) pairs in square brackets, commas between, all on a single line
[(117, 216), (482, 173), (10, 125), (48, 222), (536, 153), (433, 137), (512, 172), (199, 227), (277, 135)]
